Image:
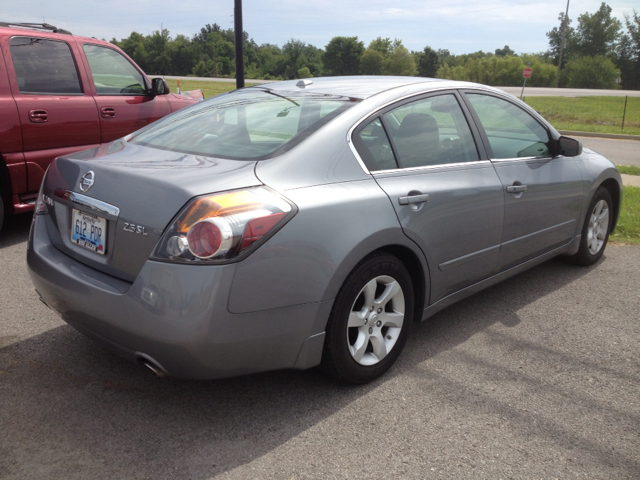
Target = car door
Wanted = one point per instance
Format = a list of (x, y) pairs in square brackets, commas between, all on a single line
[(449, 201), (57, 116), (121, 93), (542, 191)]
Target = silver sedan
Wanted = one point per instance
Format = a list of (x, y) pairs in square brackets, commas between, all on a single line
[(310, 222)]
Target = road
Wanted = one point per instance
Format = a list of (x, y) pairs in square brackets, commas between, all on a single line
[(537, 377), (620, 152)]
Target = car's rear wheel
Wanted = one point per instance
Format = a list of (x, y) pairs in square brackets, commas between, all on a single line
[(596, 229), (370, 320)]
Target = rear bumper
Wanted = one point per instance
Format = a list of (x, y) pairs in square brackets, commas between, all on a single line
[(175, 314)]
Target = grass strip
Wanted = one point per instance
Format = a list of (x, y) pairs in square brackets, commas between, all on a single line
[(590, 114), (629, 169), (209, 89), (628, 229)]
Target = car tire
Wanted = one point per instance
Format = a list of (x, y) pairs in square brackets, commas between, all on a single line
[(596, 229), (370, 320)]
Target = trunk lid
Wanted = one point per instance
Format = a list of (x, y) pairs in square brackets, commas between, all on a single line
[(137, 191)]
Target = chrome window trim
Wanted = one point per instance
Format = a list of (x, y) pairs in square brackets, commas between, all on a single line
[(400, 99), (431, 167), (92, 203), (520, 159)]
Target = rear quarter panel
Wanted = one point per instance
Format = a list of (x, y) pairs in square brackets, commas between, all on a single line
[(307, 261)]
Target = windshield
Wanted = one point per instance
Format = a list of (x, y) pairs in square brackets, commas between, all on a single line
[(250, 124)]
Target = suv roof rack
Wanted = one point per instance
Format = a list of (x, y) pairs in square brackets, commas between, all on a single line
[(36, 26)]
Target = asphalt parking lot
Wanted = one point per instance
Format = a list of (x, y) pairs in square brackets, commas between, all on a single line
[(538, 377)]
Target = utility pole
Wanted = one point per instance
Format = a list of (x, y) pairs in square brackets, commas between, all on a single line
[(239, 36), (565, 21)]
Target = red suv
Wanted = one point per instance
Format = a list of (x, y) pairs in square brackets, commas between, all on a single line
[(60, 93)]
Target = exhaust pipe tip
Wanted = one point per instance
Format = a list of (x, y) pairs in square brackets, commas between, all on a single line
[(159, 373), (151, 364)]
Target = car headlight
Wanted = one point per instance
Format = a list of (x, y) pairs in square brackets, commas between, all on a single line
[(223, 227)]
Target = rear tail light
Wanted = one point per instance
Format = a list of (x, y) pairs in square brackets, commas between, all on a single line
[(224, 226)]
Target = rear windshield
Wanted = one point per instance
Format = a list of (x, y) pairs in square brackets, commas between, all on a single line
[(250, 124)]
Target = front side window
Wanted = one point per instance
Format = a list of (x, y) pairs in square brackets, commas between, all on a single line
[(430, 131), (512, 132), (44, 67), (246, 124), (112, 73)]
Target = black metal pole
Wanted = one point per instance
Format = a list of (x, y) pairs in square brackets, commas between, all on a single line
[(239, 34)]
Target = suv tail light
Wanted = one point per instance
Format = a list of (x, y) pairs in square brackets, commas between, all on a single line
[(223, 227)]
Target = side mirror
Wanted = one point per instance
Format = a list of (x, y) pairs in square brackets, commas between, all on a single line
[(569, 147), (159, 86)]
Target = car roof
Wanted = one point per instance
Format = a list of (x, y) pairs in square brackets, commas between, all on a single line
[(16, 29), (361, 86)]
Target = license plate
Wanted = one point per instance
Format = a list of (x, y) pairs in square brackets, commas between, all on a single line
[(89, 231)]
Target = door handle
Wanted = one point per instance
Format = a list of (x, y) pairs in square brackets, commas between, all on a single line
[(413, 199), (108, 112), (38, 116), (516, 188)]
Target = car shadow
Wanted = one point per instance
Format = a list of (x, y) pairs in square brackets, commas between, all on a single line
[(15, 229), (77, 401)]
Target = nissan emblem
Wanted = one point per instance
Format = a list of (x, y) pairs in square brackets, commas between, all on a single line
[(87, 181)]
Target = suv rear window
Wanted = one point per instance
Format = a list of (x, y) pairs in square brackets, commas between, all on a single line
[(44, 66), (250, 124)]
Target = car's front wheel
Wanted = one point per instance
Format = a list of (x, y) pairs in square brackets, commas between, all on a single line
[(596, 229), (370, 320)]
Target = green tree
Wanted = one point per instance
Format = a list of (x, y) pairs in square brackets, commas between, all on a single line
[(293, 53), (158, 59), (428, 62), (555, 40), (597, 34), (134, 46), (304, 72), (503, 52), (628, 55), (342, 56), (399, 61), (382, 45), (182, 55), (372, 62), (501, 71), (589, 72)]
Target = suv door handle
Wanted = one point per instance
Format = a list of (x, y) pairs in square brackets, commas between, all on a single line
[(108, 112), (413, 199), (38, 116), (516, 188)]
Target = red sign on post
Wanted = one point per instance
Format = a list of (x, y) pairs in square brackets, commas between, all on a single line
[(526, 73)]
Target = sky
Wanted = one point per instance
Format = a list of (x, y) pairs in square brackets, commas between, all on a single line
[(460, 26)]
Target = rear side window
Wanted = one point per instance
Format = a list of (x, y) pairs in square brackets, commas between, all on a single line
[(112, 73), (374, 147), (245, 125), (425, 132), (430, 131), (44, 66)]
